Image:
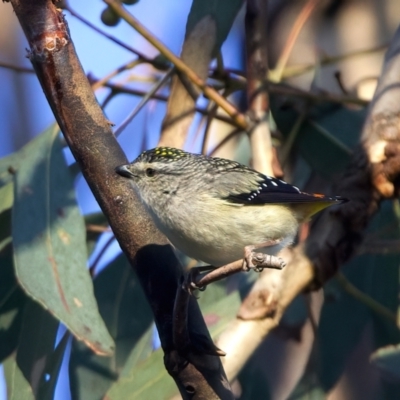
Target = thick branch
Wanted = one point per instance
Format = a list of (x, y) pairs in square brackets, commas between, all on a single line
[(92, 142)]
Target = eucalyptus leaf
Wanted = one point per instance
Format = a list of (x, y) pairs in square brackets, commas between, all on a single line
[(149, 378), (327, 135), (12, 303), (36, 344), (344, 317), (18, 387), (128, 317), (6, 196), (387, 359), (223, 12), (49, 242)]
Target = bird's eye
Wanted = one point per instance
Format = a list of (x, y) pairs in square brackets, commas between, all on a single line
[(150, 172)]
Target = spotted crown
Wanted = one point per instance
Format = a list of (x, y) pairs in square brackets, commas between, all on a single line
[(167, 154)]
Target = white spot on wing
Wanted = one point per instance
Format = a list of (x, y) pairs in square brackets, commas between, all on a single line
[(274, 183)]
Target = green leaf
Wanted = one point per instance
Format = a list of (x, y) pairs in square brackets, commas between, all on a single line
[(387, 359), (126, 312), (142, 350), (344, 317), (223, 13), (49, 242), (6, 201), (308, 391), (218, 307), (253, 382), (36, 344), (149, 378), (6, 197), (12, 302), (326, 137), (18, 387)]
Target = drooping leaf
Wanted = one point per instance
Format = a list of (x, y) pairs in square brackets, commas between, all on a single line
[(218, 308), (12, 302), (36, 344), (6, 197), (6, 201), (49, 242), (344, 316), (149, 378), (387, 359), (223, 12), (18, 387), (253, 383), (326, 136), (125, 310), (305, 392)]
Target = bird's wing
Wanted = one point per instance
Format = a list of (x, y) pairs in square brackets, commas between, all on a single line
[(242, 185)]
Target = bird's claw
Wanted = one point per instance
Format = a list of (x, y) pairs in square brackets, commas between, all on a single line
[(189, 283), (259, 261)]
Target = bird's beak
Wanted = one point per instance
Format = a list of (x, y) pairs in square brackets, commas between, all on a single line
[(124, 171)]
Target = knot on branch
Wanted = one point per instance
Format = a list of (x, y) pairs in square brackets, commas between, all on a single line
[(386, 125), (258, 304), (50, 38), (386, 174)]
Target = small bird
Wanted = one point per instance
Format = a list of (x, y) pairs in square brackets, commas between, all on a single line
[(217, 210)]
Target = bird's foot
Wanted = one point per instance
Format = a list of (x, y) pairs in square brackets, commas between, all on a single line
[(195, 275), (259, 261)]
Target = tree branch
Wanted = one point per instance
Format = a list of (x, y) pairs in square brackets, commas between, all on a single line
[(372, 176), (240, 119), (97, 152)]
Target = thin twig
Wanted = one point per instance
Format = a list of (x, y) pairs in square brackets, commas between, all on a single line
[(131, 64), (142, 56), (93, 267), (136, 92), (225, 140), (285, 89), (305, 13), (97, 228), (16, 68), (240, 119), (365, 299), (296, 70), (289, 142), (143, 102)]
